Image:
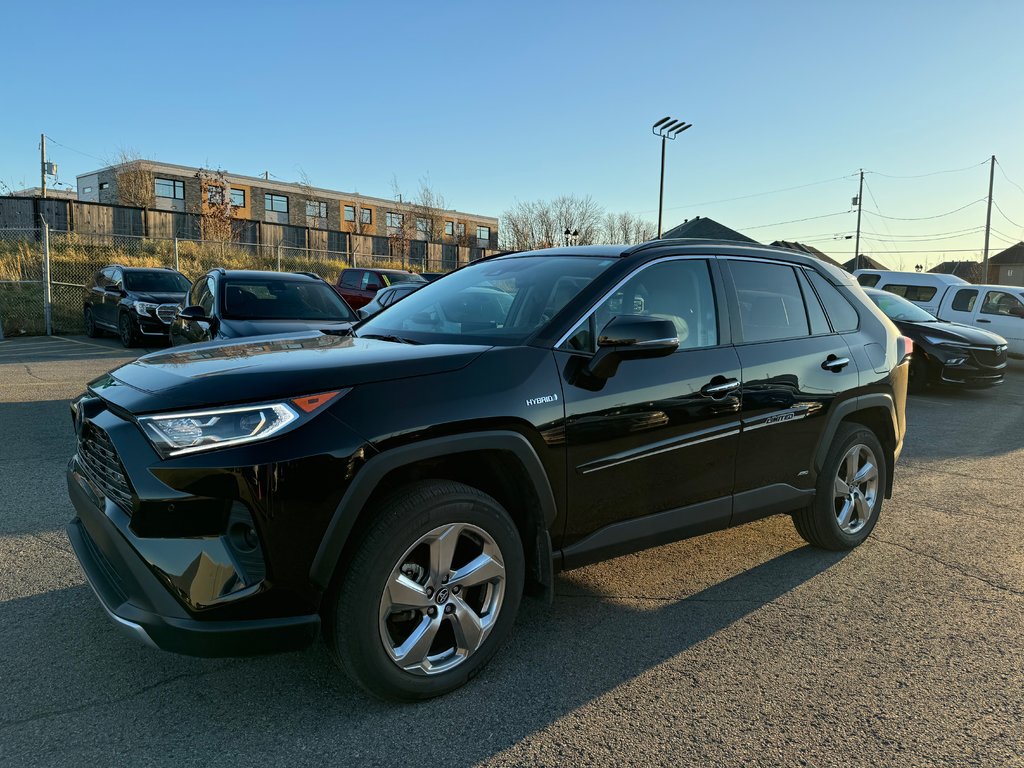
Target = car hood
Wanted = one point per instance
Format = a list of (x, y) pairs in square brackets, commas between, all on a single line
[(230, 329), (269, 367), (158, 298), (964, 334)]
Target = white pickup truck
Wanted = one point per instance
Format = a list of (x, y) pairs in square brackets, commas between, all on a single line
[(995, 308)]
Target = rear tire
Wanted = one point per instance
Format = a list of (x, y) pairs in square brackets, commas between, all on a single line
[(126, 330), (430, 594), (848, 497)]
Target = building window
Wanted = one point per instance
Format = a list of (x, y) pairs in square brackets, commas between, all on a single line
[(169, 188), (104, 185), (316, 209), (423, 227), (483, 233), (350, 213), (276, 203), (394, 220), (87, 191), (238, 198), (449, 227), (215, 194), (460, 229), (366, 216)]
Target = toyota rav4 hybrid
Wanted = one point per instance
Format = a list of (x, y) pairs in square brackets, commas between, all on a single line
[(400, 487)]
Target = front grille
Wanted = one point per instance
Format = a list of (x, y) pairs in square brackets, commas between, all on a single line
[(166, 312), (989, 357), (99, 457)]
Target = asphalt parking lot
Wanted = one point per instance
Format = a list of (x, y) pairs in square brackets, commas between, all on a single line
[(744, 647)]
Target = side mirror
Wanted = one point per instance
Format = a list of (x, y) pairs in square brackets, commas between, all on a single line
[(114, 289), (195, 313), (631, 337)]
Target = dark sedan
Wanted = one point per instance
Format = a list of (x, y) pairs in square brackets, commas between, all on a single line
[(231, 304), (944, 352)]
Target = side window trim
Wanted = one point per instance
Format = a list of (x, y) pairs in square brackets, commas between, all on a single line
[(717, 283)]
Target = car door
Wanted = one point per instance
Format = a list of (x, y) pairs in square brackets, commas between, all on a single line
[(112, 295), (1002, 312), (795, 367), (97, 295), (651, 450), (348, 286)]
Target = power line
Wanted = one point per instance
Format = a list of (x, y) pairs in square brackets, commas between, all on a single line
[(1005, 216), (747, 197), (933, 173), (924, 218), (925, 250), (86, 154), (922, 239), (1003, 171), (794, 221)]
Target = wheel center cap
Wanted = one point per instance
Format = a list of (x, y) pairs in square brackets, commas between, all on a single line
[(441, 596)]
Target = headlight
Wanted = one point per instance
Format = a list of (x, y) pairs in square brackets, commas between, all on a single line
[(945, 342), (145, 308), (175, 434)]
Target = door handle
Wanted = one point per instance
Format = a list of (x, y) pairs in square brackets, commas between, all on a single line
[(835, 364), (721, 388), (981, 320)]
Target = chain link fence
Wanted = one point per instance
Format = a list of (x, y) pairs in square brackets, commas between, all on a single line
[(44, 272)]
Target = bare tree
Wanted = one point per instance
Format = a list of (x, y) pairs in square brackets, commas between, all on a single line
[(134, 181), (214, 210), (312, 205), (543, 223), (626, 228)]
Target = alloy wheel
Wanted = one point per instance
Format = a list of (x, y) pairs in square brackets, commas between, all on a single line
[(856, 488), (126, 330), (442, 599)]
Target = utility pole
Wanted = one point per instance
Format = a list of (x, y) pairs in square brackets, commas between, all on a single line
[(860, 205), (42, 163), (988, 220)]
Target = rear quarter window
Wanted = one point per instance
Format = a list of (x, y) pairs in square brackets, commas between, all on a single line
[(840, 311)]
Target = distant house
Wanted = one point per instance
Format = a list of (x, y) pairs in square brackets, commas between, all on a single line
[(705, 228), (967, 270), (810, 250), (1007, 267), (866, 262)]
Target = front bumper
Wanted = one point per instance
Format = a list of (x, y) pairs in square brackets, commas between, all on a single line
[(140, 605)]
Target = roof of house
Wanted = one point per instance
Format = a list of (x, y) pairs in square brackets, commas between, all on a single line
[(1012, 255), (866, 262), (810, 250), (968, 270), (705, 228)]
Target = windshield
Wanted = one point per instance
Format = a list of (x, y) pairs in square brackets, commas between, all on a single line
[(403, 277), (499, 301), (157, 281), (898, 308), (256, 299)]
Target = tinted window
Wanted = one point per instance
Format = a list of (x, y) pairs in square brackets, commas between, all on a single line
[(162, 281), (403, 277), (204, 298), (117, 278), (351, 278), (679, 291), (263, 299), (770, 303), (896, 308), (911, 292), (868, 281), (819, 323), (1002, 303), (499, 301), (964, 300), (838, 308), (371, 281)]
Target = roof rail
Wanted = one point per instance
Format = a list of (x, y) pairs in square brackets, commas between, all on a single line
[(307, 274)]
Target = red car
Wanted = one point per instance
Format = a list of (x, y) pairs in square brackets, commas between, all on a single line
[(358, 286)]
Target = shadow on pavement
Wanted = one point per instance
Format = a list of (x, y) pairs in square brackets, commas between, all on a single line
[(107, 694)]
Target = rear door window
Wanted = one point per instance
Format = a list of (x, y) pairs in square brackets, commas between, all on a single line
[(771, 306), (351, 278)]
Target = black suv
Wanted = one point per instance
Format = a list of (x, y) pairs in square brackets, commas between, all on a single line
[(398, 488), (235, 303), (133, 302)]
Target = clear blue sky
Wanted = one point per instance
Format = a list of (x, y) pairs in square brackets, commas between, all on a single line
[(532, 100)]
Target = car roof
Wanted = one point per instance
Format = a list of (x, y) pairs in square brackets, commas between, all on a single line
[(259, 274), (142, 269)]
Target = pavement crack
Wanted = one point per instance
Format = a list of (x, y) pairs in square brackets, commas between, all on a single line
[(28, 370), (8, 724), (951, 566)]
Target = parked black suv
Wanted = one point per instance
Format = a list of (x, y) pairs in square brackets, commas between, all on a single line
[(133, 302), (236, 303), (399, 487)]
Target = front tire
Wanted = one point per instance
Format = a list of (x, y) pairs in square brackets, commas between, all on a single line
[(430, 594), (917, 381), (90, 324), (848, 497), (126, 330)]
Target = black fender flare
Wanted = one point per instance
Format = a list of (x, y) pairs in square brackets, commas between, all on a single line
[(849, 407), (376, 468)]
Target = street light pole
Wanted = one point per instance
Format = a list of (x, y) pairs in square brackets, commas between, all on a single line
[(666, 128)]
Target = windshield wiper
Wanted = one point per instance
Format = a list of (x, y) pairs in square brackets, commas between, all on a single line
[(386, 337)]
